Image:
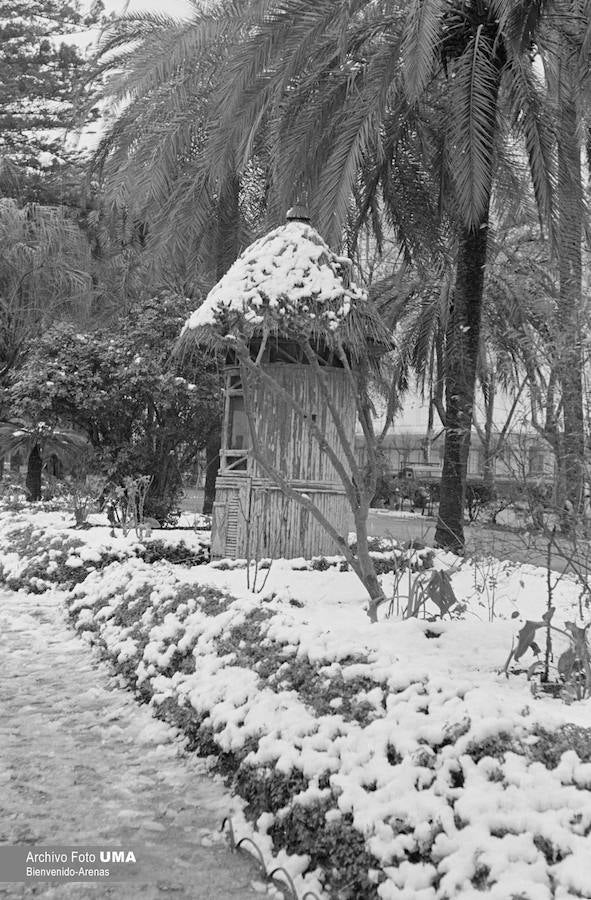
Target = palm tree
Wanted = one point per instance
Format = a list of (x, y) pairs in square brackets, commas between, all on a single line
[(565, 52), (45, 271), (374, 103), (158, 74), (39, 442), (519, 297), (194, 217)]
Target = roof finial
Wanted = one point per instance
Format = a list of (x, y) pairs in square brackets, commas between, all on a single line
[(298, 213)]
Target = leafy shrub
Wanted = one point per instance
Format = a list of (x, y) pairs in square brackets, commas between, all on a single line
[(481, 496), (335, 845), (267, 790), (496, 747), (177, 554), (550, 745), (100, 380), (50, 563), (51, 559)]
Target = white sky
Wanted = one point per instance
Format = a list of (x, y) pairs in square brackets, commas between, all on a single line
[(171, 7), (86, 39)]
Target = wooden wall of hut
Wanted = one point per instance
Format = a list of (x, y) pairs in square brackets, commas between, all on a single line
[(251, 516), (287, 438), (254, 520)]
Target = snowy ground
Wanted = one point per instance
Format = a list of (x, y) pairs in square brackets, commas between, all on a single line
[(82, 763), (404, 734)]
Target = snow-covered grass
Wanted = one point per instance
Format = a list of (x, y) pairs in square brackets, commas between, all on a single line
[(374, 761)]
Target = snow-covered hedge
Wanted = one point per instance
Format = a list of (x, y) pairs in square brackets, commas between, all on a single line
[(371, 759), (393, 783), (35, 557)]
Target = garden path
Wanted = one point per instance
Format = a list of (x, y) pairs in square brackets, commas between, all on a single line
[(81, 763)]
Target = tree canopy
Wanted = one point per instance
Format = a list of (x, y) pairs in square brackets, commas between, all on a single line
[(41, 68), (439, 126), (142, 412)]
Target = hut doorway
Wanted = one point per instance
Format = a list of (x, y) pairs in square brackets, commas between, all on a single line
[(235, 432)]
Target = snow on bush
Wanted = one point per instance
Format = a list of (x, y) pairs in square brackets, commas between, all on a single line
[(39, 551), (385, 761)]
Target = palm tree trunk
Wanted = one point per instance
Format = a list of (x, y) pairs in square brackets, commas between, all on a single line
[(33, 479), (463, 338), (228, 225), (227, 251), (570, 276)]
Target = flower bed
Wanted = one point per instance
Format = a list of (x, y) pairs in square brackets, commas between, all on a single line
[(384, 761), (35, 556)]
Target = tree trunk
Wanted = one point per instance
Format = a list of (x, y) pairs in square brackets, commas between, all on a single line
[(227, 252), (367, 573), (33, 479), (570, 353), (489, 474), (165, 487), (428, 439), (490, 446), (228, 226), (212, 464), (463, 339)]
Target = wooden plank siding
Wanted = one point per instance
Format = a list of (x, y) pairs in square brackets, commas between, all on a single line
[(287, 438), (273, 526), (251, 517)]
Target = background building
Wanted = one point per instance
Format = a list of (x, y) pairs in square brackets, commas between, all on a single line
[(524, 454)]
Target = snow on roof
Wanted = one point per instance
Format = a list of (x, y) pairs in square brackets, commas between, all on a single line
[(291, 270)]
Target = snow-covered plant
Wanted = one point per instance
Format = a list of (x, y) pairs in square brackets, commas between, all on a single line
[(572, 673), (486, 570), (13, 494), (423, 587), (254, 519), (84, 494), (125, 504)]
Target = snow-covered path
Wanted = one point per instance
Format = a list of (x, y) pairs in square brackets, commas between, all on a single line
[(81, 762)]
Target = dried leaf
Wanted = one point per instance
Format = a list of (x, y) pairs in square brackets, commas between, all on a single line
[(525, 638), (441, 592)]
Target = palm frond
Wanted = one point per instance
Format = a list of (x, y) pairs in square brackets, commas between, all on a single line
[(420, 45), (18, 437), (518, 21), (357, 136), (531, 121), (473, 111)]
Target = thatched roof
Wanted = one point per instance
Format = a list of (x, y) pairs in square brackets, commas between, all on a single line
[(292, 284)]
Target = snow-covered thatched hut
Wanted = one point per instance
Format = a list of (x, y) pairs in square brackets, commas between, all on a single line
[(287, 317)]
